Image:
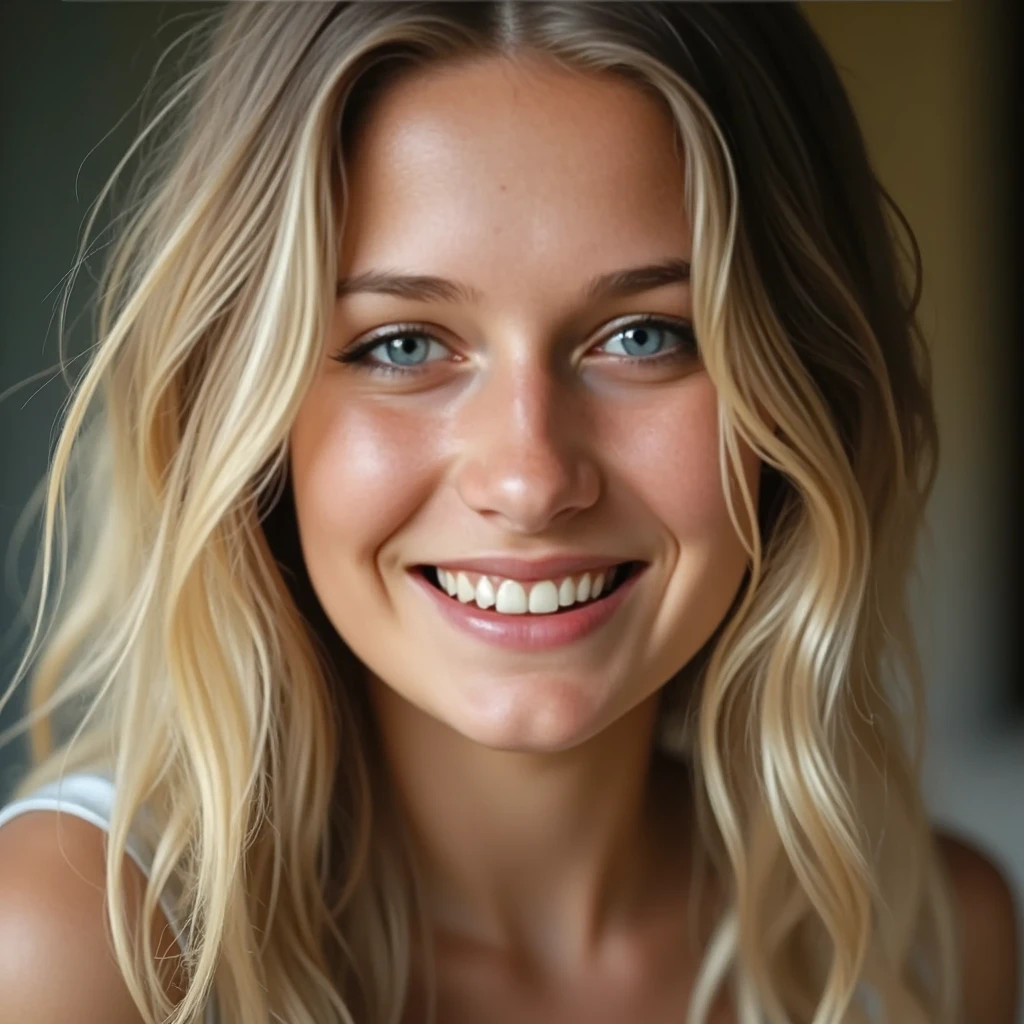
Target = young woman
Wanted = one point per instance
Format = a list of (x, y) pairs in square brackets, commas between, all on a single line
[(490, 504)]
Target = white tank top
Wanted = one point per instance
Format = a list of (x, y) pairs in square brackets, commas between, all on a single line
[(91, 797)]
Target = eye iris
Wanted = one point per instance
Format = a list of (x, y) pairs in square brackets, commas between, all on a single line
[(403, 350), (644, 340)]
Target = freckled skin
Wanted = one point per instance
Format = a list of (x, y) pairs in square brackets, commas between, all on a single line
[(521, 453), (520, 438)]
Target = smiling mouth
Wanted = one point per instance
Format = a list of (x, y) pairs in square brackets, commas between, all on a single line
[(538, 598)]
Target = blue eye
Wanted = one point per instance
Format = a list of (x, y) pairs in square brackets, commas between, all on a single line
[(651, 338), (402, 350), (406, 349)]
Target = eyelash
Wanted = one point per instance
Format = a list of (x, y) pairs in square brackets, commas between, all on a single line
[(355, 356)]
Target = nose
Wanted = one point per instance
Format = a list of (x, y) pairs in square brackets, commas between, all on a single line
[(525, 459)]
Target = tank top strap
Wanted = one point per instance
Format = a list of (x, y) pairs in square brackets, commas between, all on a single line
[(90, 796)]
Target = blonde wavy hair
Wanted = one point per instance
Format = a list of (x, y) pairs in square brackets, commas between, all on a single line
[(177, 643)]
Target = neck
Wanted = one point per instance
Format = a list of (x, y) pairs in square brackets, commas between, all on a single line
[(541, 854)]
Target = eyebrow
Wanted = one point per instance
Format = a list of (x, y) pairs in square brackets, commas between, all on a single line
[(426, 288)]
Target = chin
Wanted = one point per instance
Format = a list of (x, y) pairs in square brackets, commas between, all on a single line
[(538, 717)]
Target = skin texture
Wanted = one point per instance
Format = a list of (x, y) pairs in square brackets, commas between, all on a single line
[(557, 890), (56, 966), (528, 433), (56, 962), (557, 859)]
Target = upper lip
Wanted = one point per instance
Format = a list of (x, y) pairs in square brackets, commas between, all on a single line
[(531, 569)]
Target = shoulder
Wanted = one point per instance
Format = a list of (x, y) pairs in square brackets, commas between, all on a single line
[(989, 937), (56, 959)]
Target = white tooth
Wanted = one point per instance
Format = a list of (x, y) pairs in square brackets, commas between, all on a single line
[(511, 598), (465, 590), (448, 579), (543, 598), (567, 593), (583, 588), (485, 593), (598, 586)]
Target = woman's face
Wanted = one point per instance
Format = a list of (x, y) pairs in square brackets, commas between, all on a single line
[(524, 426)]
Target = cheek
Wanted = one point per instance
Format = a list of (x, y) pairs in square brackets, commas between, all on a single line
[(668, 456), (359, 471), (671, 466)]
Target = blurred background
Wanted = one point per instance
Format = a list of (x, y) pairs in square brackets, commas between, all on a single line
[(931, 84)]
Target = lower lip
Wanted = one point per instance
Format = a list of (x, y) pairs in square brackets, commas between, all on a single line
[(528, 632)]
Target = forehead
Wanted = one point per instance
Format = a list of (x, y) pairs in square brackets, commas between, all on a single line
[(485, 164)]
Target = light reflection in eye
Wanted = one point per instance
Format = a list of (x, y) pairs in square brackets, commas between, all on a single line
[(402, 356)]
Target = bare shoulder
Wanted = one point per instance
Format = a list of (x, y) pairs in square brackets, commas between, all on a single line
[(990, 937), (56, 959)]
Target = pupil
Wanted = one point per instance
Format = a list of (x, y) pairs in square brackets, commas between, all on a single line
[(642, 338), (404, 349)]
